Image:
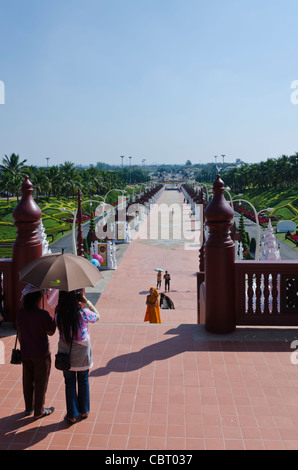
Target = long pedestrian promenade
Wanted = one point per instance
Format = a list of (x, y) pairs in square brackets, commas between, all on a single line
[(164, 387)]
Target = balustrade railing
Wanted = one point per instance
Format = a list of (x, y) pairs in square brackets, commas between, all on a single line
[(266, 293)]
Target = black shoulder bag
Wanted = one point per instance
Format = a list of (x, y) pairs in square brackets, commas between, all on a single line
[(62, 360), (15, 354)]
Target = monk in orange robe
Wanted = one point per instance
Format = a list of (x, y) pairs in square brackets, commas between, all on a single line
[(152, 312)]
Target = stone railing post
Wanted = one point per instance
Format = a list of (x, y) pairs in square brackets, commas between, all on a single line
[(27, 245), (219, 264)]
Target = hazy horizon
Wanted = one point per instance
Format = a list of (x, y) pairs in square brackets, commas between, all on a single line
[(160, 81)]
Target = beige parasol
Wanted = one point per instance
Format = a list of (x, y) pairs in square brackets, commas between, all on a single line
[(61, 271)]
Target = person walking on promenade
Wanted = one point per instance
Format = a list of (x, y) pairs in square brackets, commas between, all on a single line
[(152, 311), (34, 325), (167, 279), (72, 318), (158, 286)]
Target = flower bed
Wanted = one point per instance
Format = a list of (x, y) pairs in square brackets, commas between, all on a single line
[(84, 218), (293, 238), (250, 215)]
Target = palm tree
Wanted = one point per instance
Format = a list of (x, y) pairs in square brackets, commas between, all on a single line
[(15, 170), (53, 181)]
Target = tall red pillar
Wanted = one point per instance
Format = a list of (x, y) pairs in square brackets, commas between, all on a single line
[(27, 245), (219, 264), (80, 239)]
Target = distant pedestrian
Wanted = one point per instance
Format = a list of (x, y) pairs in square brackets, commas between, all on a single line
[(167, 279), (158, 286)]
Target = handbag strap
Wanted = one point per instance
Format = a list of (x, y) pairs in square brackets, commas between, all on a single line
[(16, 341)]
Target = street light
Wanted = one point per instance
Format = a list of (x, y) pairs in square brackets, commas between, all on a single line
[(206, 189), (130, 169), (257, 223), (137, 185), (115, 189), (75, 213), (74, 245), (269, 209), (232, 198)]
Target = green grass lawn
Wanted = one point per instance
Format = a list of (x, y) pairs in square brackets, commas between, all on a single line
[(52, 219), (284, 202), (281, 237)]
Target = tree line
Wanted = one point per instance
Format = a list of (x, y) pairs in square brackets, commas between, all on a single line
[(64, 179), (281, 172)]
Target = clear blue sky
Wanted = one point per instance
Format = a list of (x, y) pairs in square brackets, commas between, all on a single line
[(161, 80)]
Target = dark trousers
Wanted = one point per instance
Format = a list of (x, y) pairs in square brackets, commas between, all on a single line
[(36, 374), (167, 284)]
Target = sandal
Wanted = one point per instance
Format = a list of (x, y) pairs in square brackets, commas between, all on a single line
[(70, 420), (46, 412), (84, 415)]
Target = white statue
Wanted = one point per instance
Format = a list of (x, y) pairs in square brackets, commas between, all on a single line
[(269, 249), (43, 238)]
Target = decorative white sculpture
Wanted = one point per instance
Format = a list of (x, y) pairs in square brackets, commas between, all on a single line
[(269, 247), (43, 238)]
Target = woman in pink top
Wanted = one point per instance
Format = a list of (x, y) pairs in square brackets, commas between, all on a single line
[(72, 320)]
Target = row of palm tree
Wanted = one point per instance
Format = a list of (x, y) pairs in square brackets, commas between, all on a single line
[(64, 179), (281, 172)]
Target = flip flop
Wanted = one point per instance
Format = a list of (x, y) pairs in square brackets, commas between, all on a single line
[(46, 412)]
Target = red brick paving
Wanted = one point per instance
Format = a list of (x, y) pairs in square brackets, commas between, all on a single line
[(162, 387)]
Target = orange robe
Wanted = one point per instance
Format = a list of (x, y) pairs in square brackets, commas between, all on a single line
[(153, 313)]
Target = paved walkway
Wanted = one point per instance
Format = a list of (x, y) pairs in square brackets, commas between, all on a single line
[(169, 386)]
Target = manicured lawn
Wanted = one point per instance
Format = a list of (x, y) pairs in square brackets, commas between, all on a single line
[(281, 236), (284, 202)]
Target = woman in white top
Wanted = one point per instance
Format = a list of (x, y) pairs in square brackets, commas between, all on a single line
[(72, 320)]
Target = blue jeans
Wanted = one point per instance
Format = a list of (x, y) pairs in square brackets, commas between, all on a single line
[(77, 399)]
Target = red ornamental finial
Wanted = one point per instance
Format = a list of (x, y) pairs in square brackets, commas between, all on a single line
[(219, 210), (27, 210)]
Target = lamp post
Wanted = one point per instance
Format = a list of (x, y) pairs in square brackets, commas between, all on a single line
[(74, 245), (115, 189), (206, 189), (130, 169), (257, 223), (75, 213), (138, 185), (232, 198), (269, 209)]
